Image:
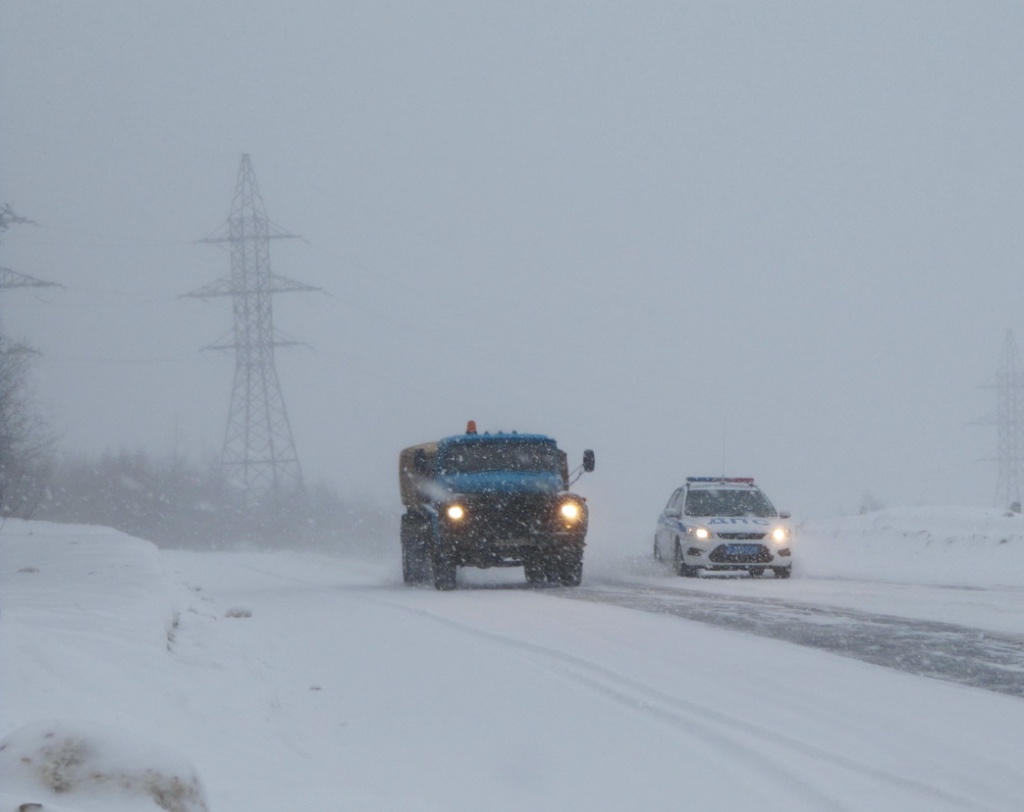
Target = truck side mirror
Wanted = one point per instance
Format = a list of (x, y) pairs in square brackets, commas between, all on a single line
[(419, 462), (588, 460)]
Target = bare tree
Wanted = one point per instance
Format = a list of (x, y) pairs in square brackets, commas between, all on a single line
[(25, 443)]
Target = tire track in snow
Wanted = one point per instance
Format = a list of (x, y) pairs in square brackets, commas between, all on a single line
[(730, 733), (945, 651)]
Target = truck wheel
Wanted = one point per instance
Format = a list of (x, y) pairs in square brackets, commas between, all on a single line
[(534, 570), (414, 550), (408, 569), (570, 568), (444, 569), (414, 563)]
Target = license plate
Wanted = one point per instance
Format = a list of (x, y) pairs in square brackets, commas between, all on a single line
[(743, 549)]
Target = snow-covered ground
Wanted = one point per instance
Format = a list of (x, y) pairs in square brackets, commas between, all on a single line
[(132, 678), (940, 545)]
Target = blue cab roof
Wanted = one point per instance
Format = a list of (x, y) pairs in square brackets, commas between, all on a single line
[(500, 436)]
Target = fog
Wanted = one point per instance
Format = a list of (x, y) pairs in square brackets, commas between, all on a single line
[(778, 240)]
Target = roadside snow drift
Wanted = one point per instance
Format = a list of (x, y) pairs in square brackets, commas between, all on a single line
[(942, 545), (88, 767)]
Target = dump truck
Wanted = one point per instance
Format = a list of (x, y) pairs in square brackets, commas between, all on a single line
[(491, 500)]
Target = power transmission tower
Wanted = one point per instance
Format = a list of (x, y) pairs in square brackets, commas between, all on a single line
[(13, 279), (259, 454), (1009, 424)]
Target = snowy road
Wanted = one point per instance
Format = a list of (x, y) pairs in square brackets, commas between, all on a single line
[(311, 682), (502, 697)]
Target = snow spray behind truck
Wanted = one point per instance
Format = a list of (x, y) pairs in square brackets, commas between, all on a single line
[(491, 500)]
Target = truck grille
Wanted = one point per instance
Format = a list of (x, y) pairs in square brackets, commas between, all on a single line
[(512, 515)]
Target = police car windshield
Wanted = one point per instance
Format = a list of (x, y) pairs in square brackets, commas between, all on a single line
[(474, 458), (728, 502)]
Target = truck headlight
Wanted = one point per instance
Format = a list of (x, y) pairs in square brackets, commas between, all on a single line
[(780, 535), (456, 513), (571, 511)]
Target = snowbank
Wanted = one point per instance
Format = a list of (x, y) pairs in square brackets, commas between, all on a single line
[(115, 576), (81, 608), (935, 545), (66, 765)]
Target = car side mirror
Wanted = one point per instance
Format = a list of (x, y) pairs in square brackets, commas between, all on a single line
[(419, 462), (784, 514), (588, 460), (673, 513)]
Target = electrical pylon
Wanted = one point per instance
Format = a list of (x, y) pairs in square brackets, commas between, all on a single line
[(259, 454), (13, 279), (1010, 425)]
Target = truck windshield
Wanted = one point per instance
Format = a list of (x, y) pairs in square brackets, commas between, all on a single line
[(727, 502), (472, 458)]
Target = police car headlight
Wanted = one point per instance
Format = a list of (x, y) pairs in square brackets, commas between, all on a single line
[(571, 511), (780, 535), (456, 513), (701, 533)]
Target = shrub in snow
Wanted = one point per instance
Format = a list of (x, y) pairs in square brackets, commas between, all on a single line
[(92, 767)]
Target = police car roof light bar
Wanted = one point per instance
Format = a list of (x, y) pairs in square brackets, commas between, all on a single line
[(747, 479)]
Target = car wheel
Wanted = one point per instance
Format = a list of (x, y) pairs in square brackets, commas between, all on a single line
[(680, 566), (782, 572), (756, 572), (657, 552)]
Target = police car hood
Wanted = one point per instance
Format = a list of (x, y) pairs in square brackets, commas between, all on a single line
[(503, 482), (736, 524)]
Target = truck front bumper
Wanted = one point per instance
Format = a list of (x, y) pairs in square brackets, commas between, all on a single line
[(473, 551)]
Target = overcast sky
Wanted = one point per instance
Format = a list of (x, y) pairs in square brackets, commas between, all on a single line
[(771, 239)]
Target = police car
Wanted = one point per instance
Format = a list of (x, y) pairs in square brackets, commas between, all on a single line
[(723, 524)]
